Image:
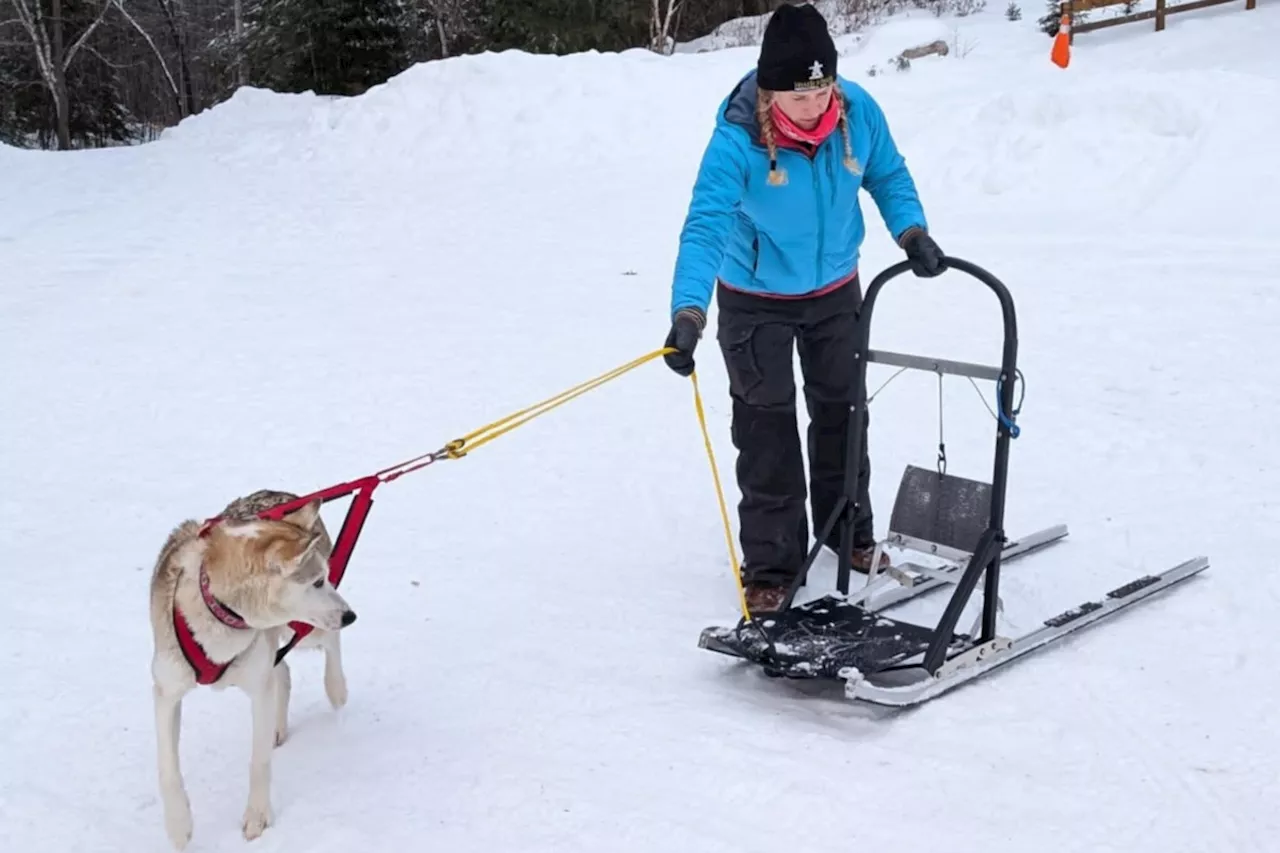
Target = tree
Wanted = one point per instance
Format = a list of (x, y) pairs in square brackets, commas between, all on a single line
[(663, 16), (1052, 17), (332, 47), (568, 26), (48, 39)]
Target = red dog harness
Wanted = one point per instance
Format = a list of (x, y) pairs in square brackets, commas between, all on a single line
[(209, 671)]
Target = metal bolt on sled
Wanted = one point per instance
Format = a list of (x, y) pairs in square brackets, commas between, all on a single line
[(888, 661)]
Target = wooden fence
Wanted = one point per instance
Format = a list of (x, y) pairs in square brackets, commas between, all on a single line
[(1162, 10)]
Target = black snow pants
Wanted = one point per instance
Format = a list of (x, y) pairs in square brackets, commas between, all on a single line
[(758, 337)]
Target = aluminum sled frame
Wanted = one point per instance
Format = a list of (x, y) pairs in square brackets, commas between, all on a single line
[(887, 661)]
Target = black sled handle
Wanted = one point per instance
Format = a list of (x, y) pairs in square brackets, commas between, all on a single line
[(994, 284)]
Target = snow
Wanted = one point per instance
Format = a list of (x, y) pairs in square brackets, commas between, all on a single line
[(291, 291)]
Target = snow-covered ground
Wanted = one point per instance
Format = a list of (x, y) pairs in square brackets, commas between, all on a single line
[(289, 291)]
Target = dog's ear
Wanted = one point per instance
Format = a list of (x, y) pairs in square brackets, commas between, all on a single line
[(310, 549), (305, 516)]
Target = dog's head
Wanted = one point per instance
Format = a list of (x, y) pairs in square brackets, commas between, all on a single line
[(276, 572)]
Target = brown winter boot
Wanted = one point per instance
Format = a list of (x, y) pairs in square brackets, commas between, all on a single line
[(764, 598), (862, 560)]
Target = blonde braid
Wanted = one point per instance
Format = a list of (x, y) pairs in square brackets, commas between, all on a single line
[(777, 177), (850, 162)]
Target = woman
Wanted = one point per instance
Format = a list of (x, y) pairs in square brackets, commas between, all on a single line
[(775, 227)]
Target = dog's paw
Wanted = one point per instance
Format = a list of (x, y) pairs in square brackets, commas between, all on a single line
[(256, 820), (282, 734), (177, 822), (335, 687)]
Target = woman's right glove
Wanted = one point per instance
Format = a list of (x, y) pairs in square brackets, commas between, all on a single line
[(686, 329)]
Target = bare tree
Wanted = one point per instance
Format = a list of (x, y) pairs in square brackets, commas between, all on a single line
[(183, 107), (51, 57), (451, 22), (664, 13), (174, 13), (242, 64)]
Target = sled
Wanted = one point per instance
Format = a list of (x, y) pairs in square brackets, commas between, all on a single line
[(954, 522)]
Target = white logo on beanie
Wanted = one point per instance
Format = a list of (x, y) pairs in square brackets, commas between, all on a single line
[(815, 71)]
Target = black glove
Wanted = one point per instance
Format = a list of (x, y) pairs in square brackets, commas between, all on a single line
[(686, 329), (925, 256)]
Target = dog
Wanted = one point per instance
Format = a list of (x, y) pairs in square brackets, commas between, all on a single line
[(232, 586)]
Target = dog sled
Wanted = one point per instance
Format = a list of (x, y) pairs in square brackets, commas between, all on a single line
[(954, 523)]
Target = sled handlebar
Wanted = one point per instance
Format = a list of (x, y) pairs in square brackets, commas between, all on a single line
[(1005, 374), (971, 269)]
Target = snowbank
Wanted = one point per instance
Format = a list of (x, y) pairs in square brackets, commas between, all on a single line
[(1003, 125)]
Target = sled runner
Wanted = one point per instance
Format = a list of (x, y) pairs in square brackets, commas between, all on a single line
[(946, 519)]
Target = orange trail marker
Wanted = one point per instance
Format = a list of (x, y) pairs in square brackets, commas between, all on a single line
[(1061, 53)]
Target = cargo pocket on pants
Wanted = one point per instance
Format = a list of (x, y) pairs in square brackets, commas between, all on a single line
[(740, 361)]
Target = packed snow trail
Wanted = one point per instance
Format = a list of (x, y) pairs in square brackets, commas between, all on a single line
[(287, 291)]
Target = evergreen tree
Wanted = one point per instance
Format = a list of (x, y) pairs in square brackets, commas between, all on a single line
[(13, 74), (1052, 17), (97, 116), (332, 47), (568, 26)]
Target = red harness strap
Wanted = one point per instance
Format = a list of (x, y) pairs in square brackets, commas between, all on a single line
[(207, 670), (352, 525)]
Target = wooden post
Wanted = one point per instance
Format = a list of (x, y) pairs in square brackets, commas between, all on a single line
[(1160, 15), (1251, 4)]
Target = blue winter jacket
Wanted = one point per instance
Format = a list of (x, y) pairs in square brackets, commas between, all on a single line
[(795, 238)]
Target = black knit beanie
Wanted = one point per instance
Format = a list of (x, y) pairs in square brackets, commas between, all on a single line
[(797, 53)]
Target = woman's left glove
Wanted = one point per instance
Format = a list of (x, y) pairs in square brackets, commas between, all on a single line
[(925, 256)]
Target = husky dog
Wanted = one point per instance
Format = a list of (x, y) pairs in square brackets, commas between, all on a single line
[(222, 597)]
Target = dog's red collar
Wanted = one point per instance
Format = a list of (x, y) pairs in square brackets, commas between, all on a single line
[(224, 614), (207, 670)]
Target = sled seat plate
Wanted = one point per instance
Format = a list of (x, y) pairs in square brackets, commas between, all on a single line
[(824, 638), (940, 509)]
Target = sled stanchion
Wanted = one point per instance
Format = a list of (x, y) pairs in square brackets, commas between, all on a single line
[(985, 558), (889, 661)]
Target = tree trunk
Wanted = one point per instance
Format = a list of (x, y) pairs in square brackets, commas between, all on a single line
[(186, 97), (61, 98), (242, 65)]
